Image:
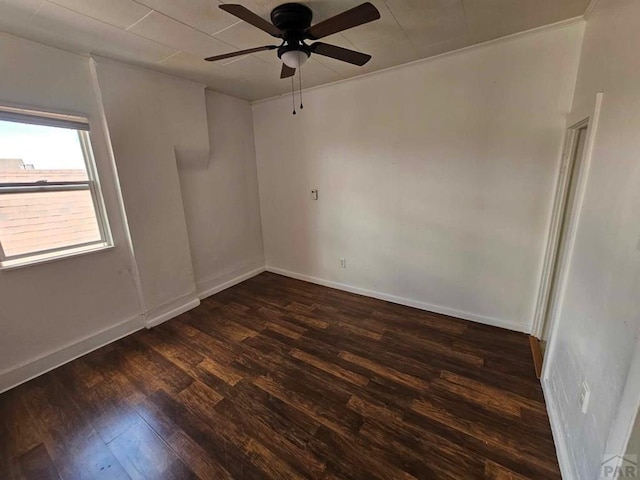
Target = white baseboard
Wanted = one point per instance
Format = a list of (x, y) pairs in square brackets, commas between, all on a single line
[(567, 470), (170, 310), (496, 322), (14, 376), (205, 289), (214, 285), (18, 374)]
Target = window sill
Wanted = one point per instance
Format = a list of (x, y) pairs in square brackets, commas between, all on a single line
[(38, 259)]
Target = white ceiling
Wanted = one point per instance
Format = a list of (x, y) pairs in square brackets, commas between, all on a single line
[(175, 35)]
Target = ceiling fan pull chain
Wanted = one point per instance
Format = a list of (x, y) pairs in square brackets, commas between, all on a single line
[(293, 96), (300, 78)]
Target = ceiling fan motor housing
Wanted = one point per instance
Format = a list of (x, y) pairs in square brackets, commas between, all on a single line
[(293, 19)]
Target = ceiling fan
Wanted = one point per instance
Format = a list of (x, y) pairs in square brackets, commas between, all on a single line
[(291, 22)]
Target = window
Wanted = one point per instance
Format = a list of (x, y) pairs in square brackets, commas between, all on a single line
[(50, 201)]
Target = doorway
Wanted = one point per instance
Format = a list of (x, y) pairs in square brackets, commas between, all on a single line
[(582, 125), (572, 167)]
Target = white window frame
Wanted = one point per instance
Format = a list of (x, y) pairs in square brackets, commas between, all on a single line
[(92, 184)]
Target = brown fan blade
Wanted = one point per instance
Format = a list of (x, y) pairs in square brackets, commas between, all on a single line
[(364, 13), (287, 71), (248, 16), (339, 53), (239, 53)]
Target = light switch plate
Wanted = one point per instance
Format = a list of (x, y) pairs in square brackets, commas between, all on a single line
[(314, 194)]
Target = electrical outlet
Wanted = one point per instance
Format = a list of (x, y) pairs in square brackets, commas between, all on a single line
[(585, 393), (314, 194), (343, 263)]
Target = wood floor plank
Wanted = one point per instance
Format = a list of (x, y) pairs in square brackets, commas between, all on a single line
[(479, 397), (276, 378), (350, 329), (323, 414), (372, 351), (233, 430), (200, 341), (197, 458), (424, 345), (145, 455), (19, 430), (109, 414), (330, 368), (351, 463), (229, 454), (389, 373), (494, 471), (497, 439), (281, 445), (508, 401), (65, 430), (226, 373), (204, 461), (199, 394), (36, 464)]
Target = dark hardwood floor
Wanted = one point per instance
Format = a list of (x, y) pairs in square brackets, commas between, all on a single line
[(277, 378)]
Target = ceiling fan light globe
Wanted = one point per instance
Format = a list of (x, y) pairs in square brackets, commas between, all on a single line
[(294, 58)]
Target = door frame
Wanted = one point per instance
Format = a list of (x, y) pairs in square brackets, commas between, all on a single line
[(588, 113)]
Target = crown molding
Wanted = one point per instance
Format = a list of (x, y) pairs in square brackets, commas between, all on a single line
[(513, 36), (590, 8)]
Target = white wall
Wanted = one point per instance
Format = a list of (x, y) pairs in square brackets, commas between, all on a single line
[(146, 113), (186, 161), (435, 179), (599, 320), (45, 308), (159, 129), (221, 200)]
